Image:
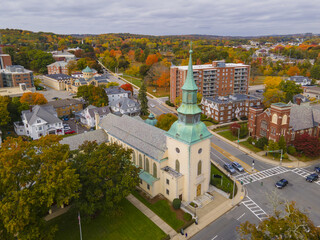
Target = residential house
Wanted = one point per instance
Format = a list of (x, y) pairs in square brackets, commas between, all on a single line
[(115, 93), (125, 106), (312, 92), (39, 121), (300, 80), (225, 109), (89, 114), (65, 107)]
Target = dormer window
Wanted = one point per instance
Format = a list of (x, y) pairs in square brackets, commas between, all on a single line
[(38, 121)]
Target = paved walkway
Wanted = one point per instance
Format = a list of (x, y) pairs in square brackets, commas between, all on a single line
[(152, 216)]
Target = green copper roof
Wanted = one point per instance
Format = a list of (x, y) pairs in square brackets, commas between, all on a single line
[(147, 177), (87, 70), (189, 84), (151, 120)]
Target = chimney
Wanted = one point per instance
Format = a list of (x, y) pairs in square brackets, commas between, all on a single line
[(97, 119), (298, 100)]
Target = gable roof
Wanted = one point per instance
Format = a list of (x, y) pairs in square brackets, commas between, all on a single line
[(141, 136), (46, 113), (102, 111), (124, 103), (75, 141), (115, 90), (63, 102)]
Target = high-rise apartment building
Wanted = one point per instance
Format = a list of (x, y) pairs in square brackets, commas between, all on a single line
[(216, 79)]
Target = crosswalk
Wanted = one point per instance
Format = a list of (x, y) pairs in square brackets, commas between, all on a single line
[(249, 178), (304, 173), (255, 209)]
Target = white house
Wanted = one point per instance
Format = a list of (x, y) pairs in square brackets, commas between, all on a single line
[(115, 93), (88, 115), (125, 106), (300, 80), (39, 121)]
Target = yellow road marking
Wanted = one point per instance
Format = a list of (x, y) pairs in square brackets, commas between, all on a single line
[(232, 158)]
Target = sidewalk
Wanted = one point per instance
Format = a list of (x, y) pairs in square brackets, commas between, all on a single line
[(293, 164), (152, 216), (211, 213)]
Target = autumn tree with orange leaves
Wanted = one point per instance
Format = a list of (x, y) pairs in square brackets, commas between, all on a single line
[(152, 59), (33, 98), (292, 71)]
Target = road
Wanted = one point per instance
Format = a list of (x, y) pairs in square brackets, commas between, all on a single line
[(156, 105), (261, 191)]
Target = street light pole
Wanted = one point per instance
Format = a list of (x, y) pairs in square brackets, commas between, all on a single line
[(281, 157)]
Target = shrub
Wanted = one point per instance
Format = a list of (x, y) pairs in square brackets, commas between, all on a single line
[(262, 142), (203, 117), (243, 131), (169, 103), (249, 140), (308, 145), (187, 217), (244, 118), (176, 203), (285, 156), (291, 150)]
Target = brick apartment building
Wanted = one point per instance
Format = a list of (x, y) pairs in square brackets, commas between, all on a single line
[(225, 108), (5, 60), (14, 75), (284, 120), (59, 67), (216, 79)]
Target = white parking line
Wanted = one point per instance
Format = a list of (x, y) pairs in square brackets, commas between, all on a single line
[(240, 216), (214, 237)]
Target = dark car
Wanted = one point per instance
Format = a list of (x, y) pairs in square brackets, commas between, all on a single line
[(237, 166), (229, 168), (282, 183), (55, 98), (312, 177), (317, 169)]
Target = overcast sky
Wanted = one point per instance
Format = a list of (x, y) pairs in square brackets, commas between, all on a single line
[(213, 17)]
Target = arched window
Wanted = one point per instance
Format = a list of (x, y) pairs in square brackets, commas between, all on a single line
[(177, 166), (275, 118), (155, 170), (147, 165), (284, 119), (140, 161), (134, 157), (199, 167)]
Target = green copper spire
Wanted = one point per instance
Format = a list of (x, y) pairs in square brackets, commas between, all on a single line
[(188, 128)]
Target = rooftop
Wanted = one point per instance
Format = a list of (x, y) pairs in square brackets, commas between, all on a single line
[(59, 64), (280, 104), (115, 90), (231, 98), (46, 113), (172, 172), (210, 66), (63, 102), (59, 76)]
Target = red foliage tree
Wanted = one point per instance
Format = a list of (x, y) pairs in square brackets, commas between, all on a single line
[(127, 87), (234, 128), (307, 144)]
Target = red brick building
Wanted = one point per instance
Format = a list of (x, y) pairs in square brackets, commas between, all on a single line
[(224, 109), (216, 79), (5, 60), (59, 67), (284, 120)]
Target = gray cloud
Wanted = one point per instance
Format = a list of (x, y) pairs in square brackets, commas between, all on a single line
[(217, 17)]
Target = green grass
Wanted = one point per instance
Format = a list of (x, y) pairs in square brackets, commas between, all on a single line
[(133, 80), (250, 146), (221, 128), (227, 183), (228, 135), (163, 210), (207, 123), (132, 224), (258, 80)]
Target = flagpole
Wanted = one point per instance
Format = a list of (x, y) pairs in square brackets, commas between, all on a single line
[(80, 225)]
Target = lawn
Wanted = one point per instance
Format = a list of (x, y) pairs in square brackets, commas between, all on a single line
[(250, 146), (132, 224), (227, 183), (133, 80), (207, 123), (228, 135), (221, 128), (257, 81), (163, 210)]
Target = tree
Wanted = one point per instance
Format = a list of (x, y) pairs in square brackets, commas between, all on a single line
[(166, 120), (82, 63), (142, 97), (4, 113), (272, 82), (282, 144), (273, 95), (290, 88), (291, 224), (307, 144), (262, 142), (72, 66), (294, 70), (234, 128), (315, 71), (33, 98), (34, 175), (93, 95), (127, 87), (106, 175), (144, 70), (152, 59)]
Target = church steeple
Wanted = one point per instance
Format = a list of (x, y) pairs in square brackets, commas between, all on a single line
[(188, 128)]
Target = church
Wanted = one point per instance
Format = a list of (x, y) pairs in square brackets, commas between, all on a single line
[(176, 163)]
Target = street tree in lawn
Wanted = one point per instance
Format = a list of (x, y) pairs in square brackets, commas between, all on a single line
[(33, 176), (142, 97), (166, 120), (106, 175), (291, 224)]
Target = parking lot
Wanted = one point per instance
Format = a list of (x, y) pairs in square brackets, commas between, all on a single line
[(51, 93), (77, 127)]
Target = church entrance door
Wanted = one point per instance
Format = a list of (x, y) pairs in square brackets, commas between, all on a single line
[(199, 190)]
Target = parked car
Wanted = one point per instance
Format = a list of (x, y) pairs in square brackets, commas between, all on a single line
[(229, 168), (55, 98), (282, 183), (66, 128), (69, 132), (317, 169), (237, 166), (65, 118), (312, 177)]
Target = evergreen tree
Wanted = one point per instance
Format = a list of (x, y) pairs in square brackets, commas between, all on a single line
[(142, 97)]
